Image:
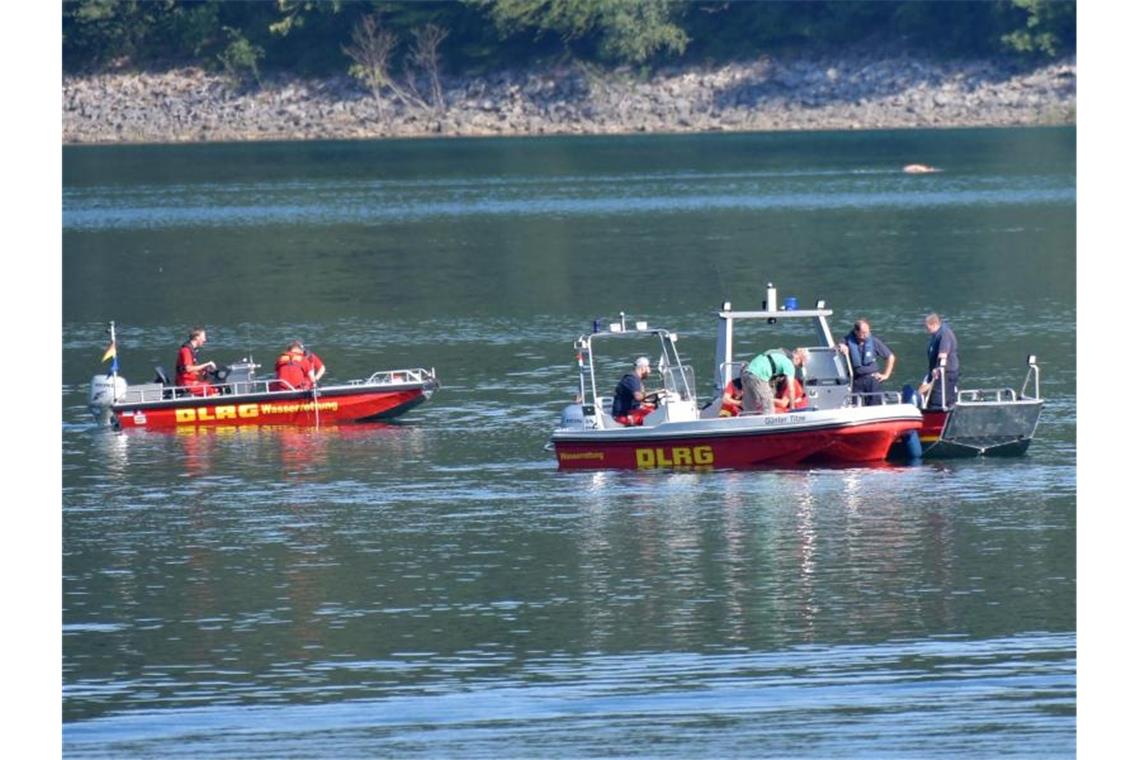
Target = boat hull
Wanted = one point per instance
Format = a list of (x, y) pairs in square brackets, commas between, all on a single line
[(734, 443), (297, 408)]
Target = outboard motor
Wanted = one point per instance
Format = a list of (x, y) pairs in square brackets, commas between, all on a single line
[(572, 416), (104, 391)]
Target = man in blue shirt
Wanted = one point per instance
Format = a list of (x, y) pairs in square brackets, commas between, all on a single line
[(759, 376), (943, 348), (629, 394), (864, 350)]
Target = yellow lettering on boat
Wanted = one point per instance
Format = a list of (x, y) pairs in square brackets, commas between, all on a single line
[(674, 456), (183, 415), (204, 414), (570, 456), (225, 412), (247, 410)]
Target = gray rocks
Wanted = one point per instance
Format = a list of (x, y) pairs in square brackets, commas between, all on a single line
[(765, 94)]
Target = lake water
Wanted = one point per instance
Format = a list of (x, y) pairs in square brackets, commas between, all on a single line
[(437, 587)]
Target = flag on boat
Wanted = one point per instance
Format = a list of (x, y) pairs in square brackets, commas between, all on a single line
[(113, 355)]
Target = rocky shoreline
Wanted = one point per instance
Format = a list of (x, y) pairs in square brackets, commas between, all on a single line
[(849, 92)]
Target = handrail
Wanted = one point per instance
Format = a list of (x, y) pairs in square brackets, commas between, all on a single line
[(987, 396), (862, 399), (1035, 373), (151, 392), (396, 376)]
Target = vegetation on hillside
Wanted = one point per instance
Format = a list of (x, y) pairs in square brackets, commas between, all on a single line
[(309, 37)]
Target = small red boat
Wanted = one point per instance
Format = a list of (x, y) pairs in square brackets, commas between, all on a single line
[(836, 428), (239, 398)]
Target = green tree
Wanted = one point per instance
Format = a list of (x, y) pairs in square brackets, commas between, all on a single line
[(240, 58), (627, 31), (1049, 26)]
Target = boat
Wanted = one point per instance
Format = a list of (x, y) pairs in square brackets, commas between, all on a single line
[(982, 422), (837, 428), (238, 397)]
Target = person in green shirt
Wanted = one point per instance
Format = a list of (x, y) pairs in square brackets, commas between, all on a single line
[(759, 377)]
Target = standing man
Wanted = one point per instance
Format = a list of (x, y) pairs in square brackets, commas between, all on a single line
[(189, 372), (943, 349), (301, 369), (762, 372), (628, 408), (864, 350)]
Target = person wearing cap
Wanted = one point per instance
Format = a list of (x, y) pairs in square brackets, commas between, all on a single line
[(629, 407), (299, 368), (764, 372)]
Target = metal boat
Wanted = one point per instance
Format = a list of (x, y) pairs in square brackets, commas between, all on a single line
[(982, 422)]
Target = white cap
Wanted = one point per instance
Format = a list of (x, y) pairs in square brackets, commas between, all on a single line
[(642, 361)]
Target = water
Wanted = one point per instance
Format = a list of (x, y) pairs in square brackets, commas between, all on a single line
[(436, 586)]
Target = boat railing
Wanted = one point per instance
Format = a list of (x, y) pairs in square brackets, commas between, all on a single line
[(396, 377), (148, 392), (874, 398), (1034, 373), (987, 396)]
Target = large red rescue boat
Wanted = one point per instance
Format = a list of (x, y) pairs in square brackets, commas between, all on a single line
[(836, 428)]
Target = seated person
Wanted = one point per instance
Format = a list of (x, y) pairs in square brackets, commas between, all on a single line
[(629, 396), (733, 398), (189, 372), (299, 368), (789, 395)]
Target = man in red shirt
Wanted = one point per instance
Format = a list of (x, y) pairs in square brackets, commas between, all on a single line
[(189, 372), (299, 368)]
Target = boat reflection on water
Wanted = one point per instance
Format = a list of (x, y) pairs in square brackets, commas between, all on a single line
[(779, 545), (303, 452)]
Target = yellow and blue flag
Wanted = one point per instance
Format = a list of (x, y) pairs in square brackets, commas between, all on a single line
[(111, 354)]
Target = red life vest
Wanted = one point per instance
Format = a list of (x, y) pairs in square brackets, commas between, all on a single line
[(187, 356), (293, 368)]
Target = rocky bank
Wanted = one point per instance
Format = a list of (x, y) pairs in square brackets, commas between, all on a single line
[(848, 92)]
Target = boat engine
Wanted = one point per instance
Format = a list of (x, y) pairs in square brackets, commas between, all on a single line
[(572, 416), (104, 390)]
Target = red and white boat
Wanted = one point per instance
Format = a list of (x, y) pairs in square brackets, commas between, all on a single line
[(241, 398), (837, 427)]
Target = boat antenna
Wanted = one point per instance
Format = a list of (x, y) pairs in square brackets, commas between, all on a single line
[(720, 279)]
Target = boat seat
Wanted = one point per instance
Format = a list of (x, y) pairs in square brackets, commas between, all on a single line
[(160, 376)]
